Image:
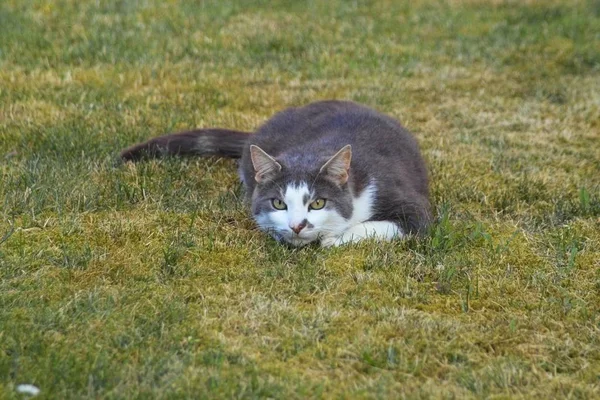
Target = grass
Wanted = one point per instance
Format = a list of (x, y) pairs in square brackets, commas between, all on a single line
[(151, 280)]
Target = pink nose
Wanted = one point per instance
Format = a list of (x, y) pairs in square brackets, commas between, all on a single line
[(298, 227)]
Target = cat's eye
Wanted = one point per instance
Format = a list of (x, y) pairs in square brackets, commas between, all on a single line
[(278, 204), (317, 204)]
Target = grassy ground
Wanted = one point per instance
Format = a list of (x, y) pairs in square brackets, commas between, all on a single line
[(151, 280)]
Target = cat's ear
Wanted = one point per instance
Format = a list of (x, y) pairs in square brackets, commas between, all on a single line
[(265, 166), (337, 167)]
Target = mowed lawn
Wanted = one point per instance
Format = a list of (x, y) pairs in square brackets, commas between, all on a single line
[(152, 281)]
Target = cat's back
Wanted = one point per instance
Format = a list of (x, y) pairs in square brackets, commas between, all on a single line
[(304, 135), (329, 125), (307, 121), (325, 127)]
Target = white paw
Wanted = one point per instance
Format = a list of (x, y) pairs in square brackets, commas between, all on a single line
[(329, 241), (335, 241), (378, 230)]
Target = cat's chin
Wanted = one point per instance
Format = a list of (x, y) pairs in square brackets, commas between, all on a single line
[(296, 241), (292, 241)]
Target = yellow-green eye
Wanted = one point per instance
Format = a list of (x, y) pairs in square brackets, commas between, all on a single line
[(278, 204), (317, 204)]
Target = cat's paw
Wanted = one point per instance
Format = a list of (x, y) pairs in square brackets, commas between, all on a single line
[(344, 239), (378, 230), (335, 241), (330, 241)]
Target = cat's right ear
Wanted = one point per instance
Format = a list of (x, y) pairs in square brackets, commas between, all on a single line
[(264, 165)]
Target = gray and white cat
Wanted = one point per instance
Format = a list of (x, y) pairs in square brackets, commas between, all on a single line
[(332, 172)]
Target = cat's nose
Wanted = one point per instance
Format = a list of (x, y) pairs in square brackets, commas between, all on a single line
[(298, 227)]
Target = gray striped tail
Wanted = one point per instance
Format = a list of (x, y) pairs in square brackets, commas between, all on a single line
[(201, 142)]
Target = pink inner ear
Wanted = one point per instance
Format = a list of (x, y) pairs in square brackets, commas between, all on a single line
[(338, 166), (264, 165)]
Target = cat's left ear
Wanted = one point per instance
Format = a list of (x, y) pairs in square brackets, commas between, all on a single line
[(338, 166)]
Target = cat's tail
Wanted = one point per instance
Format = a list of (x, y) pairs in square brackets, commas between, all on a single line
[(201, 142)]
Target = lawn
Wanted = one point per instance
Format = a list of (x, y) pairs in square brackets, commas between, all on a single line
[(151, 280)]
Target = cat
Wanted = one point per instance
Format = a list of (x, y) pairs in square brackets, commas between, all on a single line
[(333, 172)]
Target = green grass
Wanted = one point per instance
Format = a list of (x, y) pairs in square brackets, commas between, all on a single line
[(151, 280)]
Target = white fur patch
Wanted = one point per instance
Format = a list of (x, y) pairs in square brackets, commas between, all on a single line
[(380, 230), (297, 210), (362, 206), (356, 229)]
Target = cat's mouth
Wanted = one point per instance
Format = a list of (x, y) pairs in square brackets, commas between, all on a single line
[(298, 240)]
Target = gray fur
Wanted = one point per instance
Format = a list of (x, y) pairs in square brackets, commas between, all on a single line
[(302, 140)]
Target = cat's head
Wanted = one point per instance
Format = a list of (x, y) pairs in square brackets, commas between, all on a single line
[(299, 203)]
